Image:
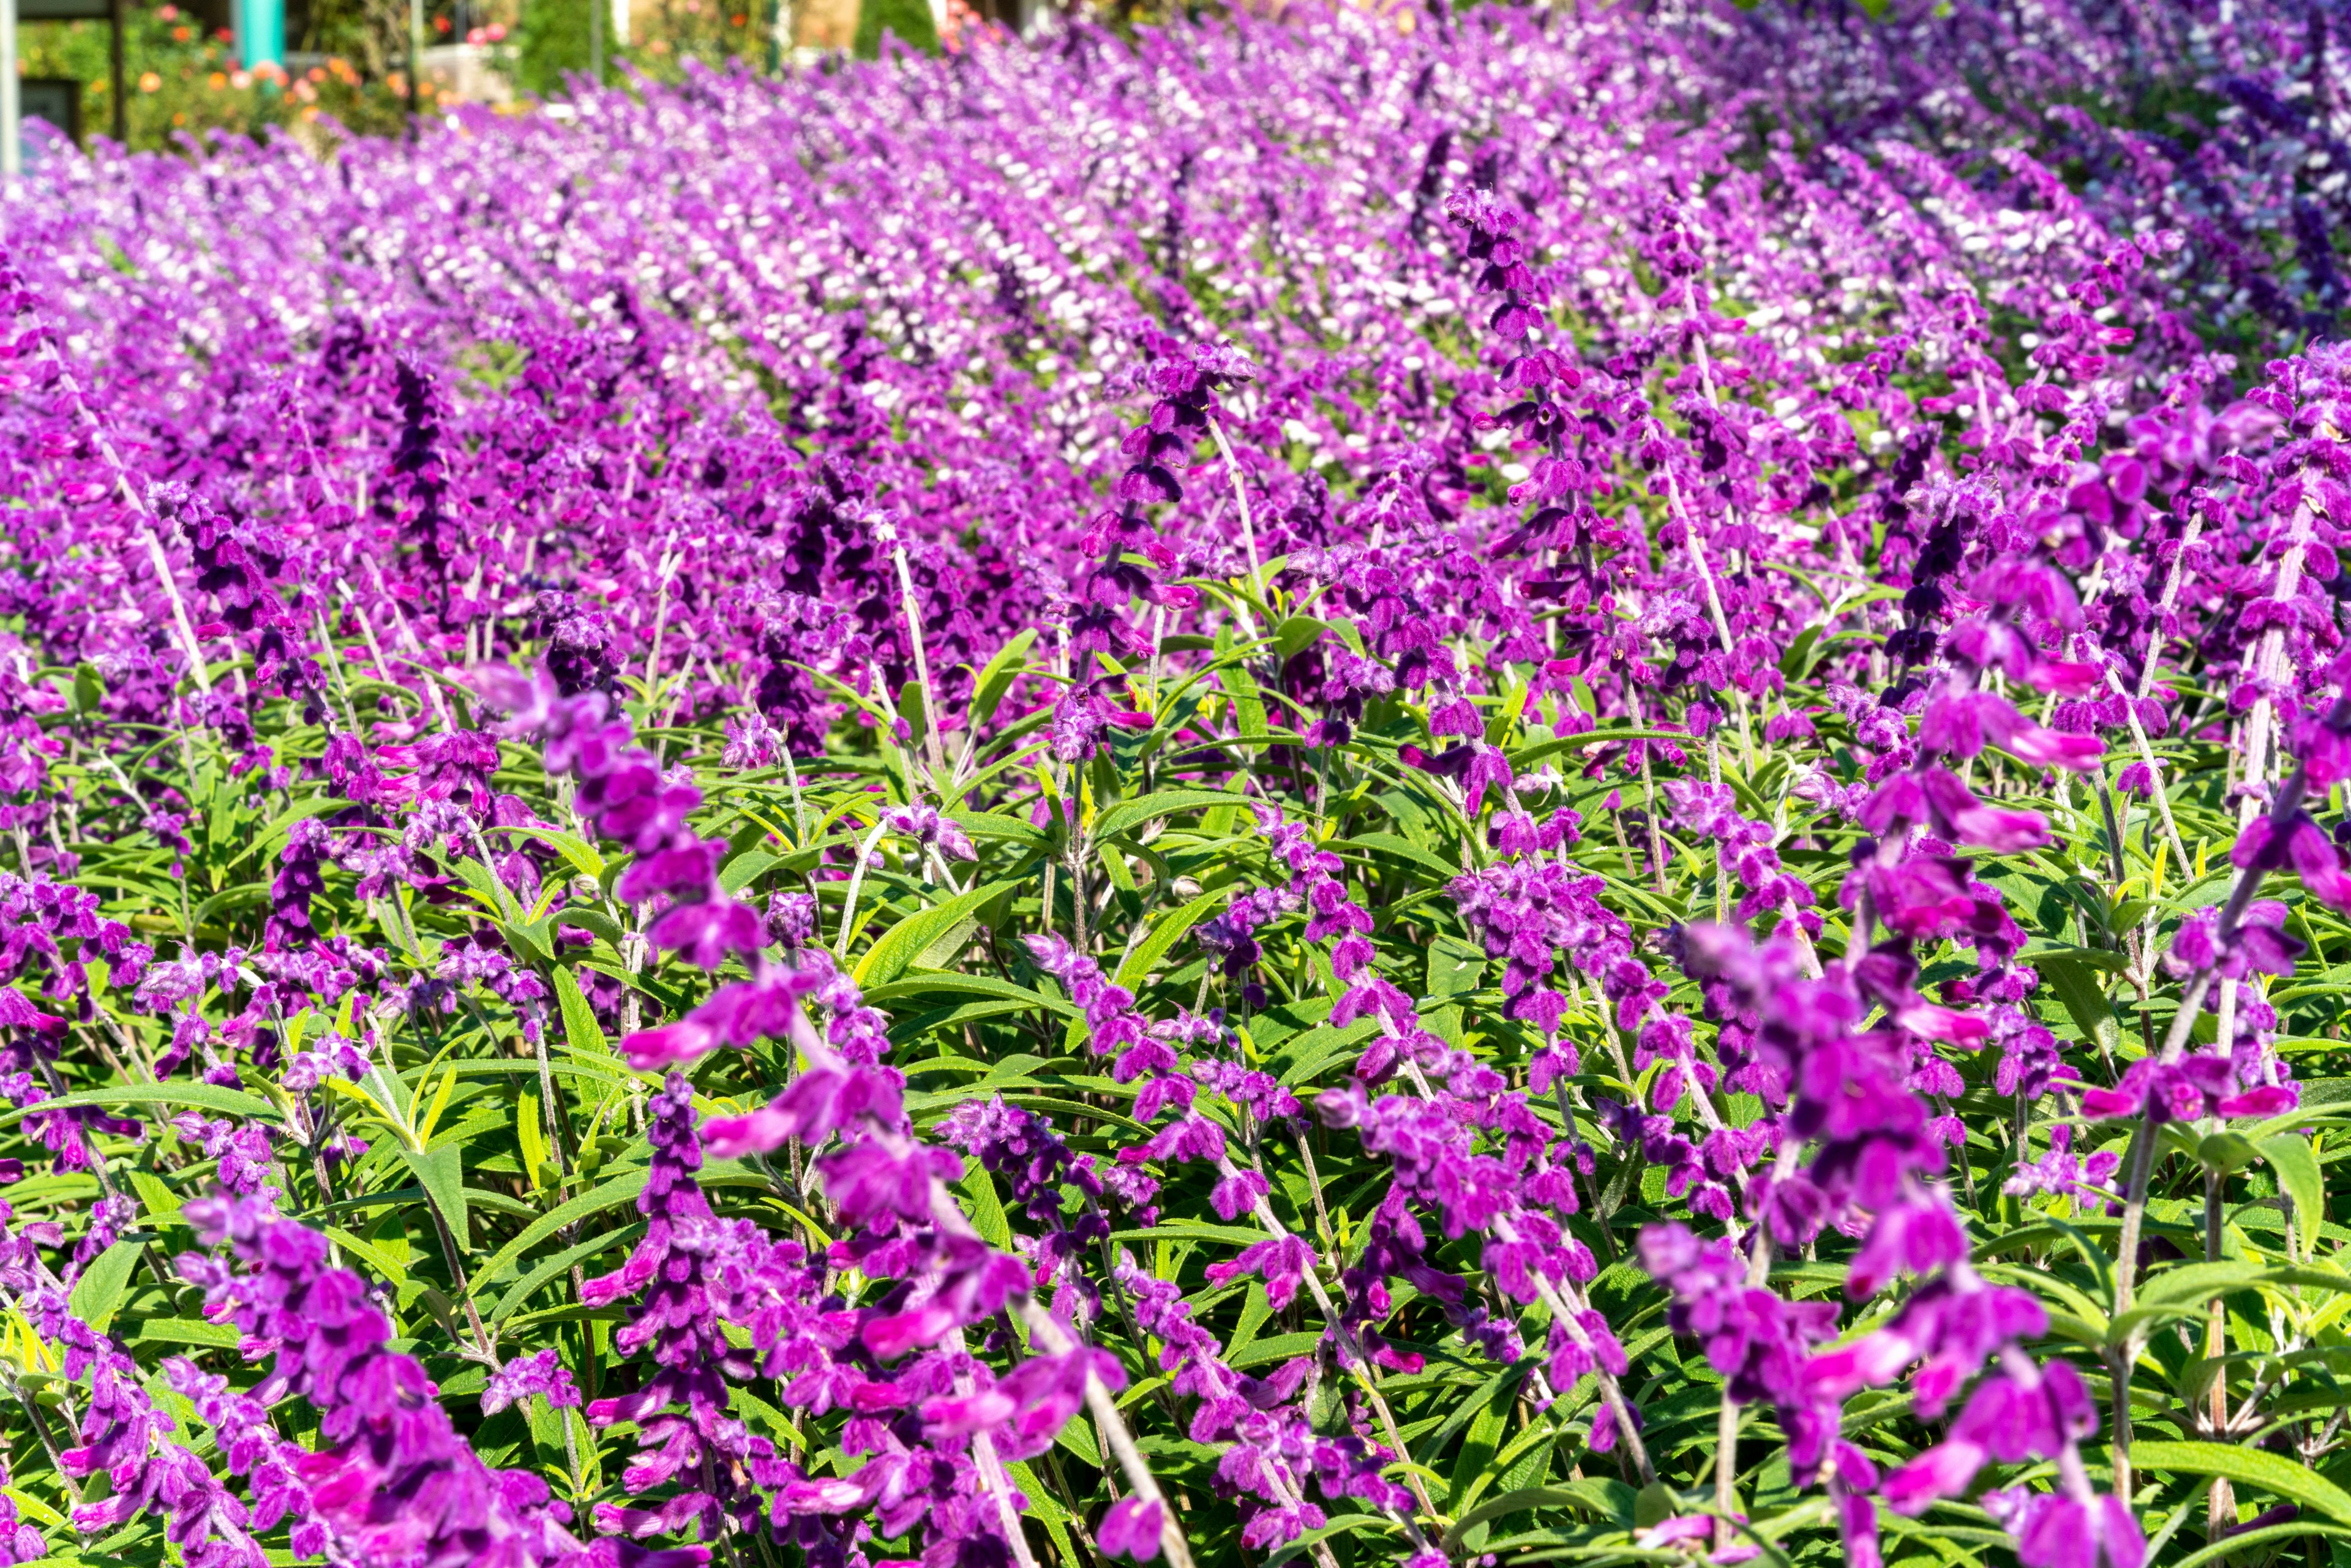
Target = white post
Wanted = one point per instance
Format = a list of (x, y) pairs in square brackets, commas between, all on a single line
[(12, 120)]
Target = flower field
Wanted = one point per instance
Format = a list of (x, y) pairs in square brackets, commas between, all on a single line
[(1533, 787)]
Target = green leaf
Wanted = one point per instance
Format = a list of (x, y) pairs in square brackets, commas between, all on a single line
[(888, 958), (2301, 1279), (1312, 1052), (916, 712), (531, 1136), (1531, 1497), (1475, 1448), (442, 1173), (947, 947), (924, 985), (1192, 1230), (2296, 1164), (2252, 1466), (991, 825), (205, 1096), (498, 1202), (2196, 1283), (2177, 1292), (1048, 1510), (594, 922), (534, 938), (439, 1102), (1248, 705), (623, 1188), (1127, 814), (162, 1203), (548, 1268), (1657, 1503), (1797, 661), (997, 677), (2226, 1151), (1256, 1308), (1455, 966), (736, 873), (98, 1291), (495, 895), (243, 896), (1297, 634), (2077, 987), (1077, 1435), (382, 1261), (1171, 929), (986, 1210), (1389, 843), (188, 1330), (585, 858), (273, 835), (2239, 1545), (581, 1033), (1507, 715), (39, 1512), (1280, 1347)]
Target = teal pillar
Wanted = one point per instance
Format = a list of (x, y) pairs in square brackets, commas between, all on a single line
[(261, 33)]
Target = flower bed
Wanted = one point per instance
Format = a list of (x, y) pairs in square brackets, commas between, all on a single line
[(1455, 788)]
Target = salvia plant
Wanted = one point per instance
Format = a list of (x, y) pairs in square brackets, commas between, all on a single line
[(1462, 790)]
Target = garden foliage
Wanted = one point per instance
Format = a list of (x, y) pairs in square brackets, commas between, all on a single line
[(1548, 786)]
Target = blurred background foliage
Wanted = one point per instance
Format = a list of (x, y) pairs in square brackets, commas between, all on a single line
[(183, 76), (348, 66)]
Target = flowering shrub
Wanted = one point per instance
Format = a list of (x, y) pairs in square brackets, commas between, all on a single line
[(1313, 789)]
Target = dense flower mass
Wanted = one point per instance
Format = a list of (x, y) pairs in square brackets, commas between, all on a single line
[(1379, 786)]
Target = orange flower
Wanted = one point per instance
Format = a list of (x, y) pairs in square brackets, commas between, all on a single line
[(149, 82)]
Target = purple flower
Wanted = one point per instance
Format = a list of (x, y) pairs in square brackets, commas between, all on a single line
[(2062, 1171), (925, 826), (683, 1262), (1131, 1529), (2299, 843), (2054, 1530), (19, 1542), (273, 1465), (383, 1440), (2193, 1087), (541, 1375)]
